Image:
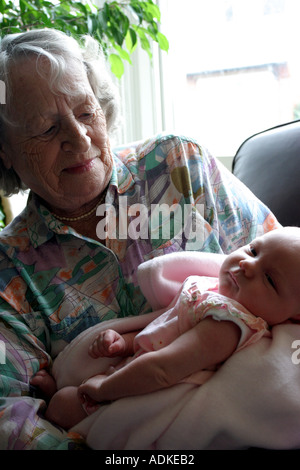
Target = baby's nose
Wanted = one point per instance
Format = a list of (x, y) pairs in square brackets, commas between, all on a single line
[(248, 267)]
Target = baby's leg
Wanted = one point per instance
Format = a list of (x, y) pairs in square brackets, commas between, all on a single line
[(65, 408)]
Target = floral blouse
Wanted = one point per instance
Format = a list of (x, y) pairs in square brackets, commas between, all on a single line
[(55, 283)]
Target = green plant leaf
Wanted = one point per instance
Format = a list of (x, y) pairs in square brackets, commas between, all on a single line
[(131, 40), (118, 25), (153, 10), (123, 54), (162, 41), (116, 64), (142, 33)]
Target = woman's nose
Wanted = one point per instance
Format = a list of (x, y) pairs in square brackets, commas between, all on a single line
[(75, 138)]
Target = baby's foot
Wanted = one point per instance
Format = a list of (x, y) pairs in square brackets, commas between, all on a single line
[(45, 382)]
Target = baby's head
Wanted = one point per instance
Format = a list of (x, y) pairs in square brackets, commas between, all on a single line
[(264, 276)]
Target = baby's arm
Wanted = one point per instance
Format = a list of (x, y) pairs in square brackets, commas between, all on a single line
[(197, 263), (161, 278), (209, 343)]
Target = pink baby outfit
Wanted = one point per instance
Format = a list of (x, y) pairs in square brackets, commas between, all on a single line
[(198, 298), (196, 301)]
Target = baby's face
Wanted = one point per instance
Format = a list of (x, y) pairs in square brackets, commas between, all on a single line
[(264, 276)]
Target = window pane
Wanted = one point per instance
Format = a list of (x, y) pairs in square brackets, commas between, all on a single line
[(233, 68)]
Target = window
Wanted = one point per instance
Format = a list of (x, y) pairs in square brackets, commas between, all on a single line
[(233, 68)]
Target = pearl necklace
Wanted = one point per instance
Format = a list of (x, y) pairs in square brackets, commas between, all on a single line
[(83, 216)]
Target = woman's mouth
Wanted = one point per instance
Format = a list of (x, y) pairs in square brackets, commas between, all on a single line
[(81, 167)]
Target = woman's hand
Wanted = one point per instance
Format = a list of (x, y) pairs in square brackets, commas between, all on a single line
[(89, 392)]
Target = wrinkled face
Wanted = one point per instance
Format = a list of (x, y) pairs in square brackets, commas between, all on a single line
[(59, 146), (264, 276)]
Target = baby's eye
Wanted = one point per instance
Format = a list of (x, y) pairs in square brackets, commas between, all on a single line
[(270, 281), (253, 251)]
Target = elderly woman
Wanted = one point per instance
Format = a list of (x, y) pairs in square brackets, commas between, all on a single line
[(66, 264)]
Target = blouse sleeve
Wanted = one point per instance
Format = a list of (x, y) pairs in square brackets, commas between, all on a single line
[(22, 426)]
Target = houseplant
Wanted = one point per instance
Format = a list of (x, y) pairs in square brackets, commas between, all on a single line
[(117, 25)]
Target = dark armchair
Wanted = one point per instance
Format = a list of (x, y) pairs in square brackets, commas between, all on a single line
[(269, 164)]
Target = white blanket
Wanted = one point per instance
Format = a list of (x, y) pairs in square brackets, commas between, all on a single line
[(252, 400)]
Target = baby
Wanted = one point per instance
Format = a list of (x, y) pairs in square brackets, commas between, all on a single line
[(261, 278)]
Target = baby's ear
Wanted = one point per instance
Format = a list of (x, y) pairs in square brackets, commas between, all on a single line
[(296, 318)]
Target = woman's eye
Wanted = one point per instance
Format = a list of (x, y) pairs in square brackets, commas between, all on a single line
[(86, 116), (48, 131)]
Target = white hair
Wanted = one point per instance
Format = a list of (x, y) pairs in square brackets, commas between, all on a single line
[(61, 51)]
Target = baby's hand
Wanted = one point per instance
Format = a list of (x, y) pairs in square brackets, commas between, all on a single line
[(108, 343)]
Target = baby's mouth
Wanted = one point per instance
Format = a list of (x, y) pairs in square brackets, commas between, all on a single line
[(232, 273)]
